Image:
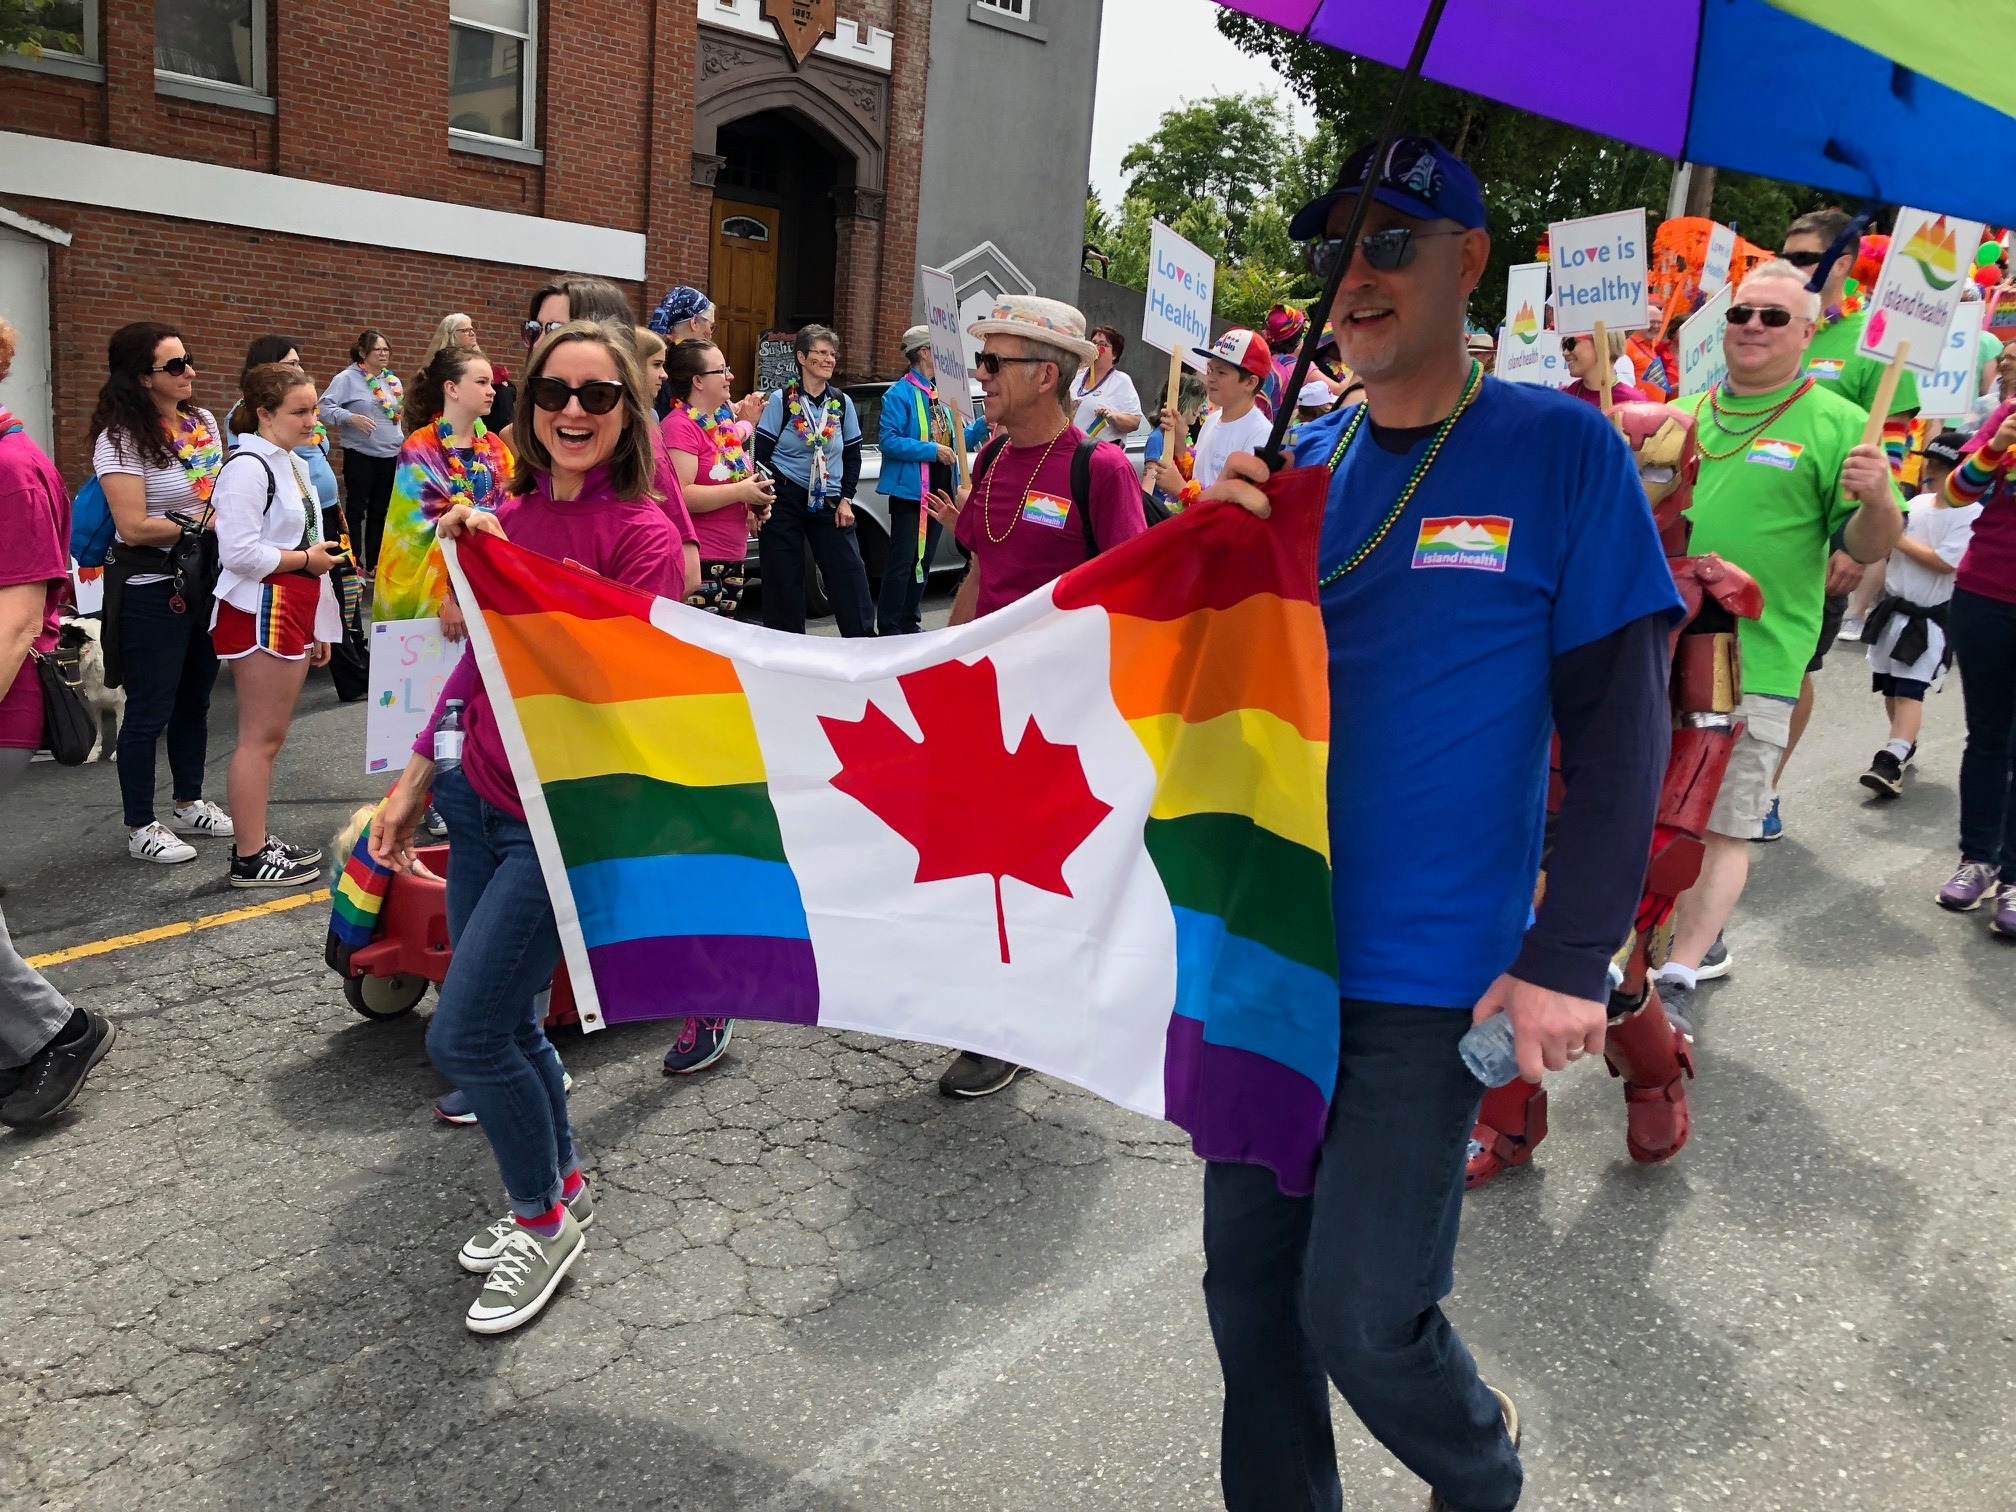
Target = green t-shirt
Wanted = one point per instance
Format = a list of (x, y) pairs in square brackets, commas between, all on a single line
[(1771, 506), (1831, 361)]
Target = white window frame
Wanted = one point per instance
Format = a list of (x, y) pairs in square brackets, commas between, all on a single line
[(528, 138), (1015, 10), (195, 86), (88, 64)]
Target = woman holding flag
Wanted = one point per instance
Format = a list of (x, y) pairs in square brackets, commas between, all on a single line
[(917, 461), (581, 491)]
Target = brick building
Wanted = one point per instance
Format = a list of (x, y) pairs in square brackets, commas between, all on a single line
[(237, 167)]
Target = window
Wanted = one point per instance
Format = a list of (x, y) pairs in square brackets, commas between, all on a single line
[(491, 68), (748, 161), (742, 227), (1019, 9), (221, 43), (65, 29)]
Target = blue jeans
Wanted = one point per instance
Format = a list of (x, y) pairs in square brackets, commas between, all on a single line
[(899, 608), (1983, 631), (1345, 1284), (486, 1036), (170, 668)]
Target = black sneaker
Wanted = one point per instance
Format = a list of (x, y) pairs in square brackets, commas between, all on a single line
[(978, 1076), (309, 853), (1885, 777), (272, 867), (50, 1082)]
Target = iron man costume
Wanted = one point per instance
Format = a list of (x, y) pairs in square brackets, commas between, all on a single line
[(1644, 1046)]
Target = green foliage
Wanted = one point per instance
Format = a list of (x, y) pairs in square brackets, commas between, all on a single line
[(31, 27), (1221, 152)]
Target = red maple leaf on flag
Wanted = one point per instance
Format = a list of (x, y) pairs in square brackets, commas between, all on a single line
[(969, 805)]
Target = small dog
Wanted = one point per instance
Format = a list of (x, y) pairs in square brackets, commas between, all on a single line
[(81, 635)]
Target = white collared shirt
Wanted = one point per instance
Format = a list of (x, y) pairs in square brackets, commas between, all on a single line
[(253, 537)]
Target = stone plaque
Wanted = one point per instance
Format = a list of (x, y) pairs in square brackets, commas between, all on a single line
[(803, 24)]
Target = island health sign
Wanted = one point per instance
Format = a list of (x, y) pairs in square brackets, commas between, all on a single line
[(1182, 282), (1920, 289), (1524, 344), (1600, 269)]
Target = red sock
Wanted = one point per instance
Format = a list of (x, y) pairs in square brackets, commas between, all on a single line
[(547, 1224), (570, 1188)]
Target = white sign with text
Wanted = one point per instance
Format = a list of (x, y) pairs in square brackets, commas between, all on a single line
[(1181, 284), (410, 660), (1600, 268), (948, 341), (1715, 261), (1523, 341), (1950, 392), (1923, 281), (1702, 364)]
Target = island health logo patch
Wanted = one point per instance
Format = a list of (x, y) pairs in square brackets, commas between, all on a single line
[(1046, 509), (1772, 453), (1481, 542)]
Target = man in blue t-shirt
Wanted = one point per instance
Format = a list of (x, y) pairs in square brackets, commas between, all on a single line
[(1490, 576)]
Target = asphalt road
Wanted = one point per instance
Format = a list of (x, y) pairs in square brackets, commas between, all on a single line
[(814, 1285)]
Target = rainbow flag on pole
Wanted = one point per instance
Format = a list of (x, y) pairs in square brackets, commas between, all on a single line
[(1089, 827)]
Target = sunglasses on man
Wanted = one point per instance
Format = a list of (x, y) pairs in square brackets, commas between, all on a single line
[(175, 367), (1774, 316), (598, 397), (532, 330), (1384, 250), (1803, 260), (990, 363)]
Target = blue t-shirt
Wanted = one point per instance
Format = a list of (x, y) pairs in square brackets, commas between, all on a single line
[(793, 457), (1529, 536)]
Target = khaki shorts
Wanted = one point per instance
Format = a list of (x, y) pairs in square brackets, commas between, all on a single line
[(1745, 797)]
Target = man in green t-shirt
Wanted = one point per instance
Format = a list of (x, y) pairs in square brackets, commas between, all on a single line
[(1832, 362), (1783, 474)]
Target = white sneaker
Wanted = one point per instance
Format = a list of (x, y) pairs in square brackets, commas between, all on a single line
[(155, 844), (201, 818)]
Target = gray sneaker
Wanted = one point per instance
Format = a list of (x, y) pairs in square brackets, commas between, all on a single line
[(1714, 965), (522, 1282), (483, 1249), (1974, 881)]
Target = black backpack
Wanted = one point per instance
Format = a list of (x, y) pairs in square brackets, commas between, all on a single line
[(1081, 486)]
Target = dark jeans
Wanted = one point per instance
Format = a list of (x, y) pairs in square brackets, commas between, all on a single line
[(487, 1037), (1983, 632), (793, 523), (367, 490), (170, 668), (1345, 1284), (900, 606)]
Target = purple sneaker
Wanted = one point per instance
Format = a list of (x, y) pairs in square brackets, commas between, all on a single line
[(1973, 882), (2003, 920)]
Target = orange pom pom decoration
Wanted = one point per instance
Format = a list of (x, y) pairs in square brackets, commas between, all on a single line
[(1869, 260)]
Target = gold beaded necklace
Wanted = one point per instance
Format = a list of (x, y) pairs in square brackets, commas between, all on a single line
[(987, 491), (1471, 388)]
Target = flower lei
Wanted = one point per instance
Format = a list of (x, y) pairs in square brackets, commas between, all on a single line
[(468, 482), (386, 389), (731, 462), (200, 454), (829, 415)]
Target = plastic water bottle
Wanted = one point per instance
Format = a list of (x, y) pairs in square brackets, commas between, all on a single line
[(1487, 1050), (448, 738)]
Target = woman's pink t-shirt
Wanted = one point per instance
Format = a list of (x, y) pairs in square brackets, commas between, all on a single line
[(724, 532), (34, 548)]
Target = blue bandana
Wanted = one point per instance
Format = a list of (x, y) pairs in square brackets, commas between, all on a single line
[(676, 308)]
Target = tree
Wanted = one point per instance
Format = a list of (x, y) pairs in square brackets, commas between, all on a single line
[(1223, 152)]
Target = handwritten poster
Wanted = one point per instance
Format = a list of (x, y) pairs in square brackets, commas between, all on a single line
[(410, 660)]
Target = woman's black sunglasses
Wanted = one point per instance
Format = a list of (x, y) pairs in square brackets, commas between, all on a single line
[(175, 367), (1774, 316), (532, 330), (1384, 250), (597, 397)]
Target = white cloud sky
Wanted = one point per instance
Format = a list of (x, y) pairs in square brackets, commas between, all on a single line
[(1154, 54)]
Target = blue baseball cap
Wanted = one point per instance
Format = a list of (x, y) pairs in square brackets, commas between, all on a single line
[(1419, 177)]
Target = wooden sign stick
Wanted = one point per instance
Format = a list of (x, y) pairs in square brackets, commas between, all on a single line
[(1605, 375), (1171, 417), (1886, 390)]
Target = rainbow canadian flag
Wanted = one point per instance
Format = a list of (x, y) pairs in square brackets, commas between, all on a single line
[(1086, 833)]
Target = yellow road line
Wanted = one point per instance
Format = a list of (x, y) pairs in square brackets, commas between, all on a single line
[(169, 931)]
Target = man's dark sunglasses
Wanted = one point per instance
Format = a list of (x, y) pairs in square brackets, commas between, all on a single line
[(1774, 316), (597, 397), (990, 362), (1803, 259), (532, 330), (175, 367), (1384, 250)]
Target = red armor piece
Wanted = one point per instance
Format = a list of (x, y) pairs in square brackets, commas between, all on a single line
[(1645, 1047)]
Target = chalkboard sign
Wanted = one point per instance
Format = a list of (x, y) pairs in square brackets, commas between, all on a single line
[(775, 363)]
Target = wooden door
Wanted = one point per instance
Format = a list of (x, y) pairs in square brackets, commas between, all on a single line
[(743, 283)]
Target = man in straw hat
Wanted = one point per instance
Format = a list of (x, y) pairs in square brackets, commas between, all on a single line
[(1489, 576), (1044, 498)]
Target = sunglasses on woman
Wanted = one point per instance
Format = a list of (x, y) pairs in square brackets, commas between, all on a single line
[(1774, 316), (597, 397), (1384, 250), (175, 367), (532, 330)]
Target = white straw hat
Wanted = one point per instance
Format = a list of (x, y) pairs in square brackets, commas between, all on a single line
[(1049, 320)]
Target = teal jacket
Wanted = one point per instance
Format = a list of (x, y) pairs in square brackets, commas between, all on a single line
[(907, 448)]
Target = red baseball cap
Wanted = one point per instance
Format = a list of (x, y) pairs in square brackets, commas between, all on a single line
[(1243, 349)]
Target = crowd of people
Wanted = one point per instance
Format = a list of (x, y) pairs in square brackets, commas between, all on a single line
[(624, 448)]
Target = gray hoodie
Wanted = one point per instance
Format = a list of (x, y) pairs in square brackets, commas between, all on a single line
[(349, 394)]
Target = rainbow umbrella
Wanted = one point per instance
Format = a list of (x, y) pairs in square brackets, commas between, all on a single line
[(1901, 101)]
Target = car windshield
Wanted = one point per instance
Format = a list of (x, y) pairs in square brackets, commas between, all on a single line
[(868, 408)]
